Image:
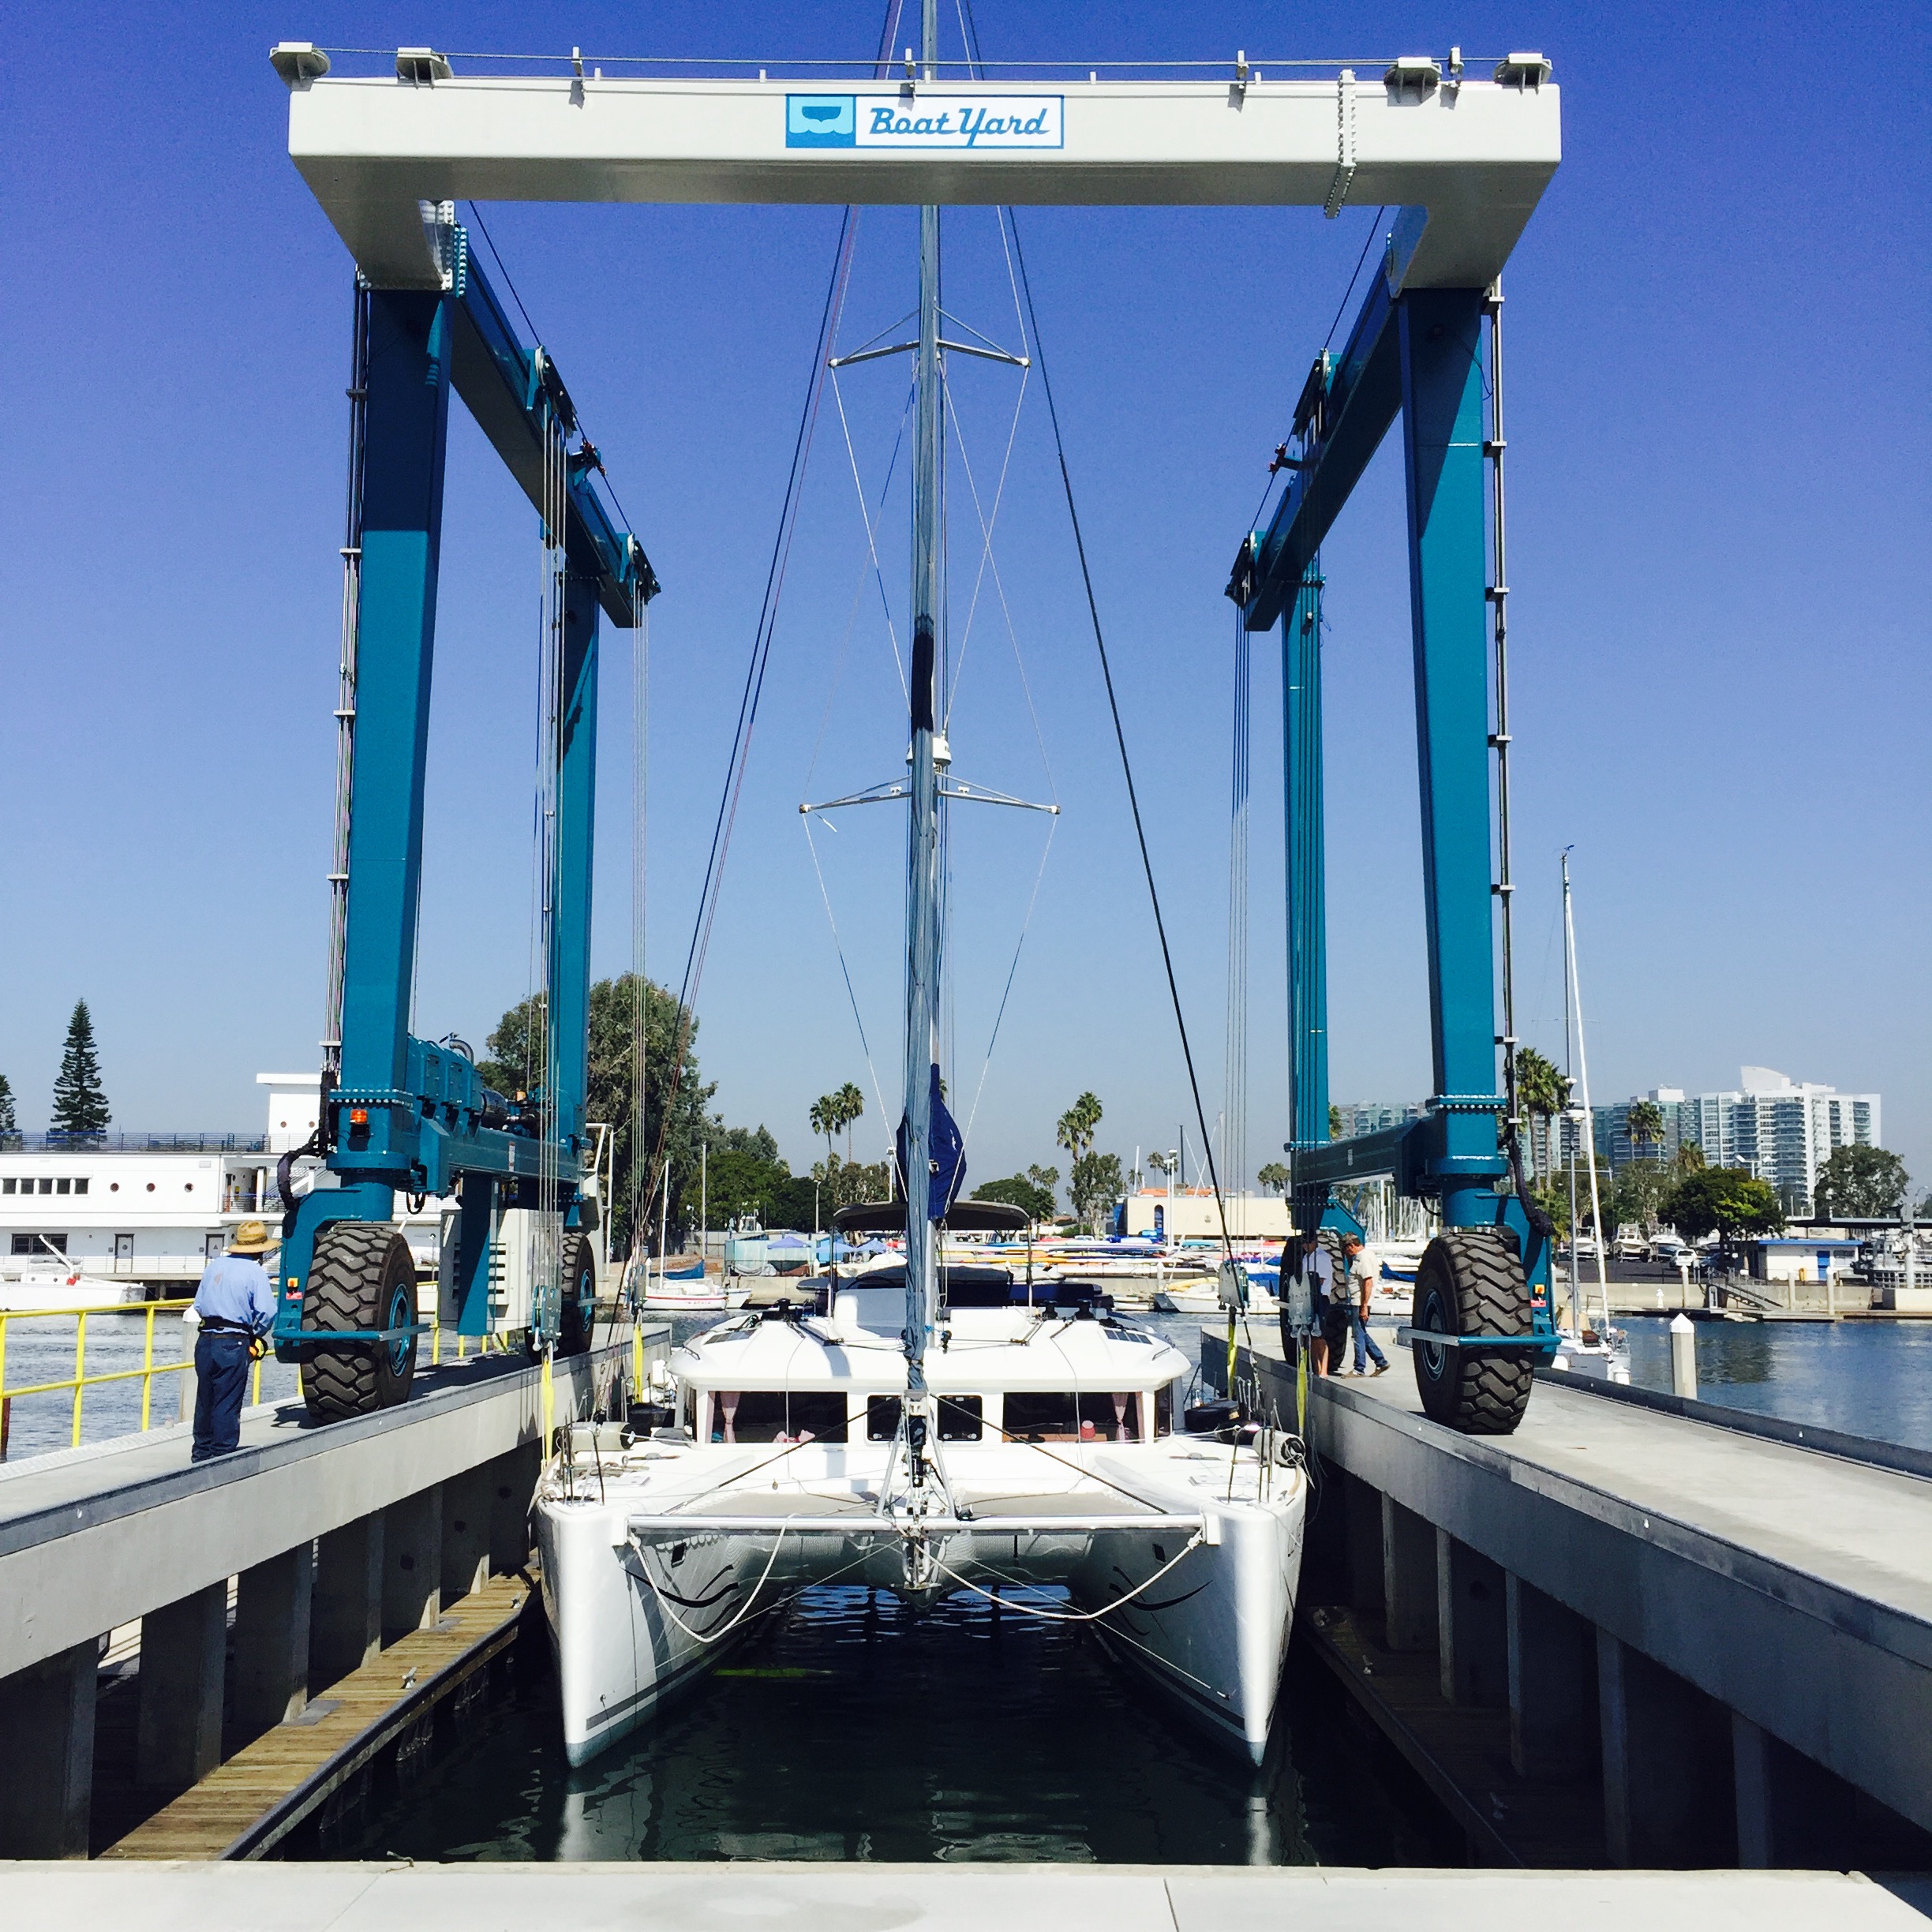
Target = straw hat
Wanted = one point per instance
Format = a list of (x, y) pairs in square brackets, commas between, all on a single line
[(250, 1238)]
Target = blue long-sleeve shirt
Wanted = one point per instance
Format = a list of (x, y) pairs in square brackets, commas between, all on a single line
[(235, 1288)]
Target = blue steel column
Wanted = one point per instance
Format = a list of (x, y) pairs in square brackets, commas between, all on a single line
[(1308, 923), (1442, 456), (403, 458), (475, 1204), (401, 535), (570, 964)]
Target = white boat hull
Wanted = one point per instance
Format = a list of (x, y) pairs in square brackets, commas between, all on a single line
[(636, 1618), (43, 1294)]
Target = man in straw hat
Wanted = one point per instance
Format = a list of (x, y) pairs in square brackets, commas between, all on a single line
[(236, 1307)]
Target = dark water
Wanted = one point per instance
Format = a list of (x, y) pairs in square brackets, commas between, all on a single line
[(856, 1729)]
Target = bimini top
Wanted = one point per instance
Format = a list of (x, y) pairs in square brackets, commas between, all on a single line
[(962, 1217)]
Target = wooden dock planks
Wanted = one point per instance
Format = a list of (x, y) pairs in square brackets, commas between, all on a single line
[(242, 1809)]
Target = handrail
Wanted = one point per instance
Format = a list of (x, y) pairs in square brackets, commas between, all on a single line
[(80, 1381)]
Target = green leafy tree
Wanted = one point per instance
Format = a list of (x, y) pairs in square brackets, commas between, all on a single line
[(1096, 1185), (1636, 1199), (1334, 1122), (1688, 1159), (1726, 1201), (1644, 1123), (1861, 1184), (1017, 1190), (674, 1099), (1075, 1129), (847, 1183), (9, 1125), (80, 1102), (1274, 1177)]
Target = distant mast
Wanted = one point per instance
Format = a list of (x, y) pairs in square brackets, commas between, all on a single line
[(922, 826)]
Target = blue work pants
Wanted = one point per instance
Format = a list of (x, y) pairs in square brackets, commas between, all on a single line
[(1365, 1349), (221, 1382)]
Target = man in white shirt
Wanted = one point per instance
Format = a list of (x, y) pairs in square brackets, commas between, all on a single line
[(1360, 1285)]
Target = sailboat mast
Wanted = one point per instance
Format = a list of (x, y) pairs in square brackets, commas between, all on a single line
[(922, 832)]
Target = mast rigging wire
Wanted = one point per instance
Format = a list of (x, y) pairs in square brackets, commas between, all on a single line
[(721, 828), (1119, 736), (1107, 672)]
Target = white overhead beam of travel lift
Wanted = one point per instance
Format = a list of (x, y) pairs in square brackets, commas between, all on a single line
[(1476, 156)]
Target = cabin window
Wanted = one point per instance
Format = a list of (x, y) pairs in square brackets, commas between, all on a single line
[(1063, 1415), (39, 1243), (8, 1185), (764, 1415), (959, 1418), (1163, 1410), (80, 1186), (63, 1185), (962, 1418), (46, 1186)]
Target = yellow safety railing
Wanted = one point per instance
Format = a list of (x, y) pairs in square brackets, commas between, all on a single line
[(80, 1381)]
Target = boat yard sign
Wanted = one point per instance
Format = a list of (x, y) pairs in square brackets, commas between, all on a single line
[(943, 120)]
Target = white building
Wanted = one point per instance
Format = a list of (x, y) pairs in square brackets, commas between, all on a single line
[(152, 1209), (1779, 1129), (1190, 1214)]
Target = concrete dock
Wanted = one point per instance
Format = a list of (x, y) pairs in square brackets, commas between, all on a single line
[(251, 1581), (1719, 1642), (679, 1897)]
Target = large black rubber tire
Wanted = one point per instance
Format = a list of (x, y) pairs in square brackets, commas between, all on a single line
[(579, 1278), (362, 1276), (1470, 1282)]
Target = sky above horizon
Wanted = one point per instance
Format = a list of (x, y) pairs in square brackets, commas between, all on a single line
[(1718, 350)]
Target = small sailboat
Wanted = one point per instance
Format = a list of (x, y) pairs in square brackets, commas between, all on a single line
[(1593, 1349), (928, 1425)]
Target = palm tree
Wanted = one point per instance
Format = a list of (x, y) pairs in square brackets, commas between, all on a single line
[(825, 1120), (1543, 1093), (851, 1105), (1644, 1123), (1075, 1131), (1274, 1177)]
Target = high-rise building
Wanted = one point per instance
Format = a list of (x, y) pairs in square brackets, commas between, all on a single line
[(1780, 1130)]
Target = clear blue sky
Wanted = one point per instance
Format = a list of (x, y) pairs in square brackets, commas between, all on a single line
[(1718, 420)]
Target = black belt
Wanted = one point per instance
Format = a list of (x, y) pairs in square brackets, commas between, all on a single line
[(212, 1325)]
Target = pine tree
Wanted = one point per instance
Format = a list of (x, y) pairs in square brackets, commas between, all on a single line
[(9, 1126), (80, 1102)]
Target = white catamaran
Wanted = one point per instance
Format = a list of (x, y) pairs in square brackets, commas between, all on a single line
[(924, 1426)]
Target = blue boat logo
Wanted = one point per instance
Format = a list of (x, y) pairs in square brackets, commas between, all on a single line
[(821, 121)]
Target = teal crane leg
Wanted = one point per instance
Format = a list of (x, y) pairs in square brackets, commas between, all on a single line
[(1448, 575)]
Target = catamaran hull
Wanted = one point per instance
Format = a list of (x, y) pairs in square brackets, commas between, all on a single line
[(634, 1624)]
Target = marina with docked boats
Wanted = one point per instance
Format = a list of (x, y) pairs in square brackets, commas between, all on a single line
[(555, 1531)]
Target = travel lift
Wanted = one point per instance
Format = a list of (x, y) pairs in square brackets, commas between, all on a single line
[(1482, 1289), (1465, 160), (400, 1114)]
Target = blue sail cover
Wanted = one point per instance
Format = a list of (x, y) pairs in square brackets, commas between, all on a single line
[(949, 1155)]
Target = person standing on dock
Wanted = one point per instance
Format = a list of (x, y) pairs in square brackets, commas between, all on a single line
[(236, 1307), (1315, 1270), (1356, 1291)]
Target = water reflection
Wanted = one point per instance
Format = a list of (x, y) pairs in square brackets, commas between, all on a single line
[(857, 1729)]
